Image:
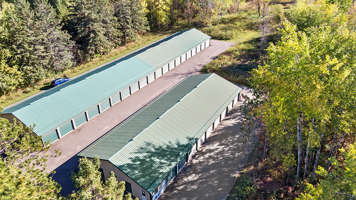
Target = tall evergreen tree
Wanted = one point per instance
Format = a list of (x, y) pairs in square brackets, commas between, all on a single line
[(54, 47), (124, 20), (92, 25), (21, 41), (138, 16), (36, 41)]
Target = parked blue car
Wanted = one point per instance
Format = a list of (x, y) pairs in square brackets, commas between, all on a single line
[(59, 81)]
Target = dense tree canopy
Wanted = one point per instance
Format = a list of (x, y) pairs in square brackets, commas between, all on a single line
[(309, 82), (88, 180), (22, 169)]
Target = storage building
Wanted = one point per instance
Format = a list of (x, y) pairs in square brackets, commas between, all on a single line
[(62, 109), (151, 147)]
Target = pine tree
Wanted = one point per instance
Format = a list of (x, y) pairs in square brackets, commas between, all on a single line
[(88, 181), (54, 47), (124, 20), (10, 77), (35, 39), (138, 16), (21, 41), (92, 25)]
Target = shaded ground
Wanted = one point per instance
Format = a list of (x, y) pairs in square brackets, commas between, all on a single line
[(73, 143), (212, 172)]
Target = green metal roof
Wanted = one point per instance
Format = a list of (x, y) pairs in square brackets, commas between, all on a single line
[(171, 49), (150, 153), (58, 105), (119, 136)]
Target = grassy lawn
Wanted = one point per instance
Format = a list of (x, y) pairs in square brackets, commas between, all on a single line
[(242, 28), (22, 94)]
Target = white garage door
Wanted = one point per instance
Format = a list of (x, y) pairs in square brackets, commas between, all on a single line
[(182, 58), (207, 43), (189, 54), (177, 61), (151, 77), (143, 82), (171, 65), (158, 72), (125, 93), (165, 69), (134, 87), (223, 114)]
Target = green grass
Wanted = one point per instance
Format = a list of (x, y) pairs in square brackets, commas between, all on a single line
[(22, 94), (243, 29)]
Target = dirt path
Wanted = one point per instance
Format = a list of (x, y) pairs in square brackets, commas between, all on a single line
[(212, 172), (73, 143)]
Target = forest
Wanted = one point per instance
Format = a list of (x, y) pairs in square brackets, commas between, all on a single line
[(299, 58)]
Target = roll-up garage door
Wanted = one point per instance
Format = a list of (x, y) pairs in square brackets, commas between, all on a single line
[(209, 131), (50, 137), (80, 119), (207, 43), (223, 114), (151, 77), (193, 51), (189, 54), (125, 93), (105, 105), (115, 98), (93, 111), (158, 72), (183, 58), (143, 82), (134, 87), (198, 48), (171, 65), (177, 61), (165, 69), (217, 122), (66, 128)]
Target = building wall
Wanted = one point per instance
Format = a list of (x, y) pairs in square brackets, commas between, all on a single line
[(137, 190)]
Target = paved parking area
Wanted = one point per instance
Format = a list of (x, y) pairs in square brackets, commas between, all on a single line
[(73, 143), (211, 173)]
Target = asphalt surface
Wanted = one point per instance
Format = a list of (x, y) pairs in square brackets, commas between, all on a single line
[(70, 145)]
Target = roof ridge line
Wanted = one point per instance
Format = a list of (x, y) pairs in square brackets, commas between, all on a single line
[(133, 139)]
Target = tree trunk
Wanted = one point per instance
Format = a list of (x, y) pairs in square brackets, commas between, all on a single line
[(237, 5), (317, 156), (259, 7), (300, 142), (173, 17), (306, 157)]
